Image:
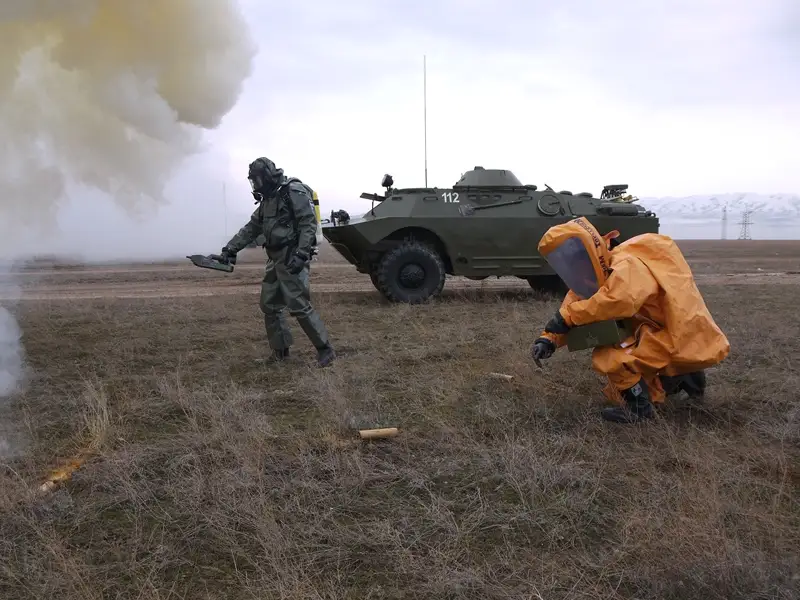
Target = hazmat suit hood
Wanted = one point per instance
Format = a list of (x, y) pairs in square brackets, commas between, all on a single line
[(579, 255), (264, 177)]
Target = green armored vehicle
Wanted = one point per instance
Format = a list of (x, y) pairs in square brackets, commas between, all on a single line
[(487, 224)]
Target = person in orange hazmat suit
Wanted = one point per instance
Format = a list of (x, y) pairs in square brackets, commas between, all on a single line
[(645, 279)]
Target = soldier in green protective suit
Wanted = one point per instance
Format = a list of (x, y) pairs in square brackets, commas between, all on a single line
[(285, 217)]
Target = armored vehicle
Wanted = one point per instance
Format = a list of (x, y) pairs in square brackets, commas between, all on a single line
[(487, 224)]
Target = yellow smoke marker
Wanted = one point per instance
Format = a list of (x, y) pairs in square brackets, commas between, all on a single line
[(64, 473)]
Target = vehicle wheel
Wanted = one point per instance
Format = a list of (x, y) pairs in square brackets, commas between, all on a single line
[(411, 273), (548, 284)]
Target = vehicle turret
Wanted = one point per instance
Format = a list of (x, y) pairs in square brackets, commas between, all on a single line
[(480, 177)]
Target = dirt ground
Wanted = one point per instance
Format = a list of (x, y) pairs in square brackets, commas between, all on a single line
[(211, 474)]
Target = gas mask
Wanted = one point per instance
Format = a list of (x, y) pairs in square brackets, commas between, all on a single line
[(264, 177)]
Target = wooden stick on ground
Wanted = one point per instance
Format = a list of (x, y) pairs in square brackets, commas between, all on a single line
[(375, 434), (502, 376)]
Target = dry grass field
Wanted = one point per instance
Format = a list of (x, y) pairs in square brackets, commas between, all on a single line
[(212, 475)]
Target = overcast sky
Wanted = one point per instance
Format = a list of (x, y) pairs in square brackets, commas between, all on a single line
[(672, 97)]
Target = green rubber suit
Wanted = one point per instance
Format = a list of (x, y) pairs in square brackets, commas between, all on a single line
[(285, 217)]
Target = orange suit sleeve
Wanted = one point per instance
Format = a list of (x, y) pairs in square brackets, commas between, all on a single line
[(627, 288)]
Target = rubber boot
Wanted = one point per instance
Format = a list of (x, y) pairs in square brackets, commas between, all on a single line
[(279, 355), (637, 406), (325, 356), (694, 384), (671, 384)]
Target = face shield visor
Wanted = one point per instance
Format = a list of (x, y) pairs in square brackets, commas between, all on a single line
[(256, 182), (573, 264), (263, 175)]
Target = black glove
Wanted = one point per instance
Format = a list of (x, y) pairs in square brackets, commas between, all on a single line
[(557, 324), (542, 348), (297, 262), (226, 257)]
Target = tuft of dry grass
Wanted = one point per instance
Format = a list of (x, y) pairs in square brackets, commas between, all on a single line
[(214, 475)]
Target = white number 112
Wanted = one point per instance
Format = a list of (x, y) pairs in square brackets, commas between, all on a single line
[(450, 196)]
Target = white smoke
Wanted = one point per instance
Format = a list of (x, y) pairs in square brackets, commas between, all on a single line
[(106, 94), (110, 94), (11, 359), (10, 352)]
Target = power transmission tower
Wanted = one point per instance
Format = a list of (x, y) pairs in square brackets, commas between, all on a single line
[(744, 232), (725, 222)]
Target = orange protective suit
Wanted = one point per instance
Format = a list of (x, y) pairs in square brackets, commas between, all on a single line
[(647, 280)]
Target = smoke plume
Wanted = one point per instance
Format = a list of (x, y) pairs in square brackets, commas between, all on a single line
[(11, 364), (104, 94), (10, 351)]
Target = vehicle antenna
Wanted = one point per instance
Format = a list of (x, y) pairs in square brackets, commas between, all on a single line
[(425, 111)]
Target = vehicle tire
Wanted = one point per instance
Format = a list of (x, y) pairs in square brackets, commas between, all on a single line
[(548, 284), (411, 273)]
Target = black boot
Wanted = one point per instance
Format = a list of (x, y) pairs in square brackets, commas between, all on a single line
[(671, 384), (279, 355), (325, 355), (637, 406), (694, 384)]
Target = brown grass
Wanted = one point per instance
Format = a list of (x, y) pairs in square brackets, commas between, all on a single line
[(216, 476)]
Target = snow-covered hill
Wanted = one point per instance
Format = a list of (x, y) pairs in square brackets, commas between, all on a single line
[(775, 216)]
